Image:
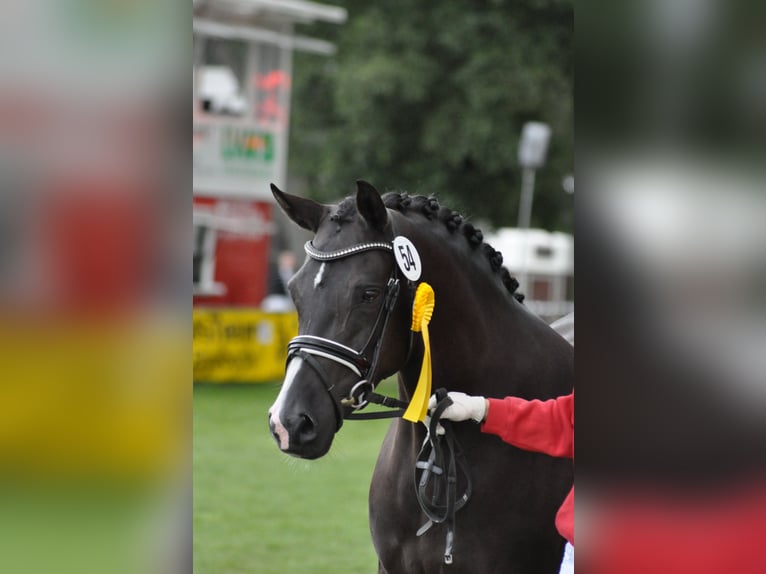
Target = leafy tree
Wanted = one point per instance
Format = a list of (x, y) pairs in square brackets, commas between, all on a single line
[(430, 97)]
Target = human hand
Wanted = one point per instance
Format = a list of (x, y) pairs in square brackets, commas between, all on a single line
[(463, 407)]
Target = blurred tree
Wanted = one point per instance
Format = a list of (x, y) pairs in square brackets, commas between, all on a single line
[(430, 97)]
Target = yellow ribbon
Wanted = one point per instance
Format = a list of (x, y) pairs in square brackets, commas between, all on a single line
[(422, 310)]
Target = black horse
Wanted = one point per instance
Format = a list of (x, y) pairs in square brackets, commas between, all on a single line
[(353, 326)]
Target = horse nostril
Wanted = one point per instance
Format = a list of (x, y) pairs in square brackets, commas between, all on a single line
[(273, 429), (306, 429)]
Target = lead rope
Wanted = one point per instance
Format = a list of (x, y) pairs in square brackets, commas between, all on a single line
[(438, 461)]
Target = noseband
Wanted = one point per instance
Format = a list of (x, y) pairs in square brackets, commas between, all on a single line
[(362, 363)]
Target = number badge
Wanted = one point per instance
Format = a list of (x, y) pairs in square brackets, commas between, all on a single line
[(407, 258)]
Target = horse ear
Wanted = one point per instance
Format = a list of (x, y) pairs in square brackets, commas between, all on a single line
[(370, 205), (305, 212)]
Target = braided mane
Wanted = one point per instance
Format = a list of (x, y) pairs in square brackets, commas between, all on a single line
[(452, 220)]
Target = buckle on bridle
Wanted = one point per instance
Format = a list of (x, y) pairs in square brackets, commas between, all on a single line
[(392, 292), (355, 398)]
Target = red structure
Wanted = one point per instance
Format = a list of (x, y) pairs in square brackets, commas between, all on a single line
[(242, 60), (231, 251)]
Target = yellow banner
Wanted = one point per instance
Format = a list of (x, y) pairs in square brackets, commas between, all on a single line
[(241, 345), (101, 401)]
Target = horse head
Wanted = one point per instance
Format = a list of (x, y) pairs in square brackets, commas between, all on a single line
[(353, 329)]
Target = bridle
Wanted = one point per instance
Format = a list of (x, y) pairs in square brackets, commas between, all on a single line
[(440, 458), (362, 363)]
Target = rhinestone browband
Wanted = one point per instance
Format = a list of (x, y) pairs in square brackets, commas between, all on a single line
[(314, 253)]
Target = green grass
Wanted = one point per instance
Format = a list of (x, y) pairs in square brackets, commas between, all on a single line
[(259, 511)]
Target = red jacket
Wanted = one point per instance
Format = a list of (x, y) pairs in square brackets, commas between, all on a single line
[(540, 426)]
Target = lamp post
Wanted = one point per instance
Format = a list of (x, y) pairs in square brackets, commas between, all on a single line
[(567, 184), (533, 148)]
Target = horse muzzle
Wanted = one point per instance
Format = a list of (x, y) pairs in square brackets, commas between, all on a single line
[(297, 435), (302, 420)]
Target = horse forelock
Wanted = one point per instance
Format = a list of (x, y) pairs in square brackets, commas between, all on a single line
[(345, 211)]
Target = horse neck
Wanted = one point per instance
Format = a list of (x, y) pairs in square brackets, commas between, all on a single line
[(477, 329)]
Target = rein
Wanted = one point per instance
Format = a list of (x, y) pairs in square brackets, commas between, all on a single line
[(438, 461), (440, 456)]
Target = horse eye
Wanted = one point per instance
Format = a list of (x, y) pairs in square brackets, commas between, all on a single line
[(370, 295)]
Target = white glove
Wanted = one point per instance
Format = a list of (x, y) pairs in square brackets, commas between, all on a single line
[(439, 428), (463, 407)]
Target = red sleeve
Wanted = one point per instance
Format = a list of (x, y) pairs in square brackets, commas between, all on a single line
[(540, 426)]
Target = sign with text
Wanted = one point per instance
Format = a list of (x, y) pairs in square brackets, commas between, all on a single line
[(241, 345), (232, 156)]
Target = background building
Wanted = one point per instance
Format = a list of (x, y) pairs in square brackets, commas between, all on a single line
[(543, 263), (243, 52)]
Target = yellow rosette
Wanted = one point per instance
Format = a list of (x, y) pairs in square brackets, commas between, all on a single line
[(422, 310)]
